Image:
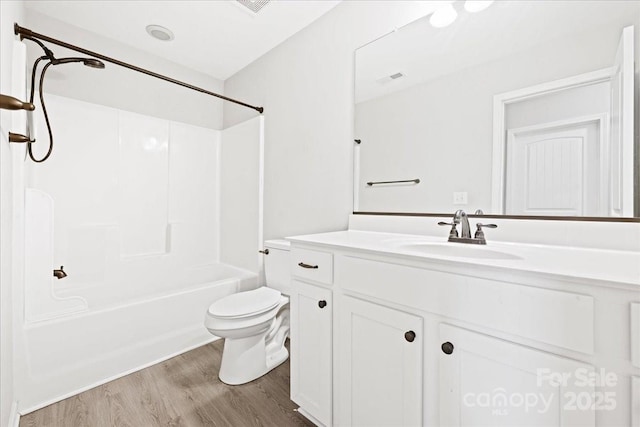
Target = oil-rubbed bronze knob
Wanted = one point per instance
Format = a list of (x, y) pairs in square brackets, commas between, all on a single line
[(322, 303), (447, 348), (410, 336)]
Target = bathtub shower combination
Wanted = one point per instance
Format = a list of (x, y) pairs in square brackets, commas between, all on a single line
[(151, 223)]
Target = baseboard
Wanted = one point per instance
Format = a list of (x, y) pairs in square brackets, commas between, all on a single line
[(25, 411), (14, 416), (310, 417)]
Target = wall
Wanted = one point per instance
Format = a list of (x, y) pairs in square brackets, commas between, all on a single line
[(441, 131), (306, 87), (10, 11), (241, 165), (122, 88), (121, 234)]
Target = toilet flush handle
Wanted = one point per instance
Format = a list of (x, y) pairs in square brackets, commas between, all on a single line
[(266, 251)]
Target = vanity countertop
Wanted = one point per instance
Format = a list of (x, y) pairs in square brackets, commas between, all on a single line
[(600, 265)]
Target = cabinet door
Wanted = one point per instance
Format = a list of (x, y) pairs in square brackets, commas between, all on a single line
[(380, 376), (485, 381), (311, 308)]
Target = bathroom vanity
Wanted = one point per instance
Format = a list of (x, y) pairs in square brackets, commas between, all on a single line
[(395, 329)]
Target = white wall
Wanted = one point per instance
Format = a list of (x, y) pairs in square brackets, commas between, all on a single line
[(122, 88), (441, 131), (10, 11), (306, 87), (134, 203), (241, 164)]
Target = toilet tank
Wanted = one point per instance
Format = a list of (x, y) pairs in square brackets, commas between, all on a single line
[(276, 265)]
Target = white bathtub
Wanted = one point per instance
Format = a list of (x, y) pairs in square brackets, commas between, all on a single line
[(76, 352)]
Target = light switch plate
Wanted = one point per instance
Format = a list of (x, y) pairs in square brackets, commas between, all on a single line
[(460, 198)]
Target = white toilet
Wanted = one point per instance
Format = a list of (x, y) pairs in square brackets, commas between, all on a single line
[(255, 324)]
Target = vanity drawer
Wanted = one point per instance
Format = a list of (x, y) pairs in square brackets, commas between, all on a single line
[(559, 318), (312, 265)]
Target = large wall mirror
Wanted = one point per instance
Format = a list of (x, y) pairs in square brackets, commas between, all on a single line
[(525, 108)]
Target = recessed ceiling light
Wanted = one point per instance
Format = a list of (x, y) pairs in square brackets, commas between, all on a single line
[(445, 15), (477, 5), (159, 32)]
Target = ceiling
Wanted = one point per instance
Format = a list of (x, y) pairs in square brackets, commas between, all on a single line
[(218, 38), (423, 53)]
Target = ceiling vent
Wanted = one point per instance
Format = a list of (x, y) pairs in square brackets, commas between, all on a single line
[(254, 6)]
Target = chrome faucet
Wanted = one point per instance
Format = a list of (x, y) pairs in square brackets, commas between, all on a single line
[(460, 217)]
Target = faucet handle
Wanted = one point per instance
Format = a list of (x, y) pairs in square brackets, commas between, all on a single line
[(453, 232), (479, 233), (480, 226)]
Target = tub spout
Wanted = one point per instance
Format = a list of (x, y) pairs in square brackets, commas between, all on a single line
[(60, 274)]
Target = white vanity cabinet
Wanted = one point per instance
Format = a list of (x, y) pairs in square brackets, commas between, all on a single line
[(380, 359), (311, 334), (434, 342), (489, 381)]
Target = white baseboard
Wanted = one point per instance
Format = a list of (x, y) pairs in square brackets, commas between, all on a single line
[(25, 411), (14, 416), (309, 417)]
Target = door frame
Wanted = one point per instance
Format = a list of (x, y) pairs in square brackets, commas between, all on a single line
[(602, 122), (500, 103)]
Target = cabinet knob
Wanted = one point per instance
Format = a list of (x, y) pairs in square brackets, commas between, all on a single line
[(410, 336), (322, 303), (447, 348)]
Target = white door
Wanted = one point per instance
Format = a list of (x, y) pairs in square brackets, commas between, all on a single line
[(485, 381), (311, 354), (555, 169), (380, 381), (621, 154)]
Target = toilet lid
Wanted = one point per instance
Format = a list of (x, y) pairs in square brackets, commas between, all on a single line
[(246, 303)]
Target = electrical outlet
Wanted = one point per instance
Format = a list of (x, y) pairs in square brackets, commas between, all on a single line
[(460, 198)]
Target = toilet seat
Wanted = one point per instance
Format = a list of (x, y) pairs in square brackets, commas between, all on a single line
[(245, 304)]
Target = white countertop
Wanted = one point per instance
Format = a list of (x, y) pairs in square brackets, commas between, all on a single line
[(613, 266)]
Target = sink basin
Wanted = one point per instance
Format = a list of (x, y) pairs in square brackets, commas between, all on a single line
[(459, 250)]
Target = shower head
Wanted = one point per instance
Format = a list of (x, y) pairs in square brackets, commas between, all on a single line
[(93, 63), (89, 62)]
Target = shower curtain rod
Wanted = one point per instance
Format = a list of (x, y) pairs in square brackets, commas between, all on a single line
[(25, 32)]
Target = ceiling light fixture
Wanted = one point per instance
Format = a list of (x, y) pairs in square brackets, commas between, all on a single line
[(444, 16), (159, 32), (474, 6)]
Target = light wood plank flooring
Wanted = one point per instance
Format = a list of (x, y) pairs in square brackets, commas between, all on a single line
[(182, 391)]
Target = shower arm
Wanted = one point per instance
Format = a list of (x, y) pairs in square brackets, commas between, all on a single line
[(27, 33)]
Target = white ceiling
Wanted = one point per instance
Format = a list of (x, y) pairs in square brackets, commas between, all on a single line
[(218, 38), (422, 52)]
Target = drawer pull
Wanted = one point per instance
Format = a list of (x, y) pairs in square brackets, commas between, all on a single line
[(410, 336), (447, 348), (304, 265), (322, 303)]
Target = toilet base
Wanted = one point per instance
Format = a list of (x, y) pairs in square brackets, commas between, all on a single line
[(249, 358)]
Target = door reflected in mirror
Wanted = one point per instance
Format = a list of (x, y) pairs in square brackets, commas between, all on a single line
[(523, 108)]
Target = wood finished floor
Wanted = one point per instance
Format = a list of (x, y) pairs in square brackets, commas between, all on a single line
[(182, 391)]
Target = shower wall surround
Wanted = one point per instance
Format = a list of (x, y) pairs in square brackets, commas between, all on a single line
[(133, 207), (135, 202)]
